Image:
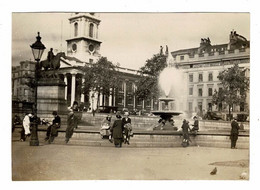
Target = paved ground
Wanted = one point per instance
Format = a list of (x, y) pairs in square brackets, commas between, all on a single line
[(70, 162)]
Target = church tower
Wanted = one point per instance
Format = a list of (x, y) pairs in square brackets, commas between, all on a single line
[(83, 42)]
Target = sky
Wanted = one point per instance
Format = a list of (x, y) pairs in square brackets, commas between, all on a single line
[(128, 38)]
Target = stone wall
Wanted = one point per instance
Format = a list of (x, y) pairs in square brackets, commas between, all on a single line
[(147, 123)]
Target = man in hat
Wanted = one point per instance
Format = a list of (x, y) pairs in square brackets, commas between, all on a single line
[(52, 130), (185, 132), (117, 131), (234, 133), (127, 127)]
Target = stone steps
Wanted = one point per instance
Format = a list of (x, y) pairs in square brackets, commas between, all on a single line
[(146, 139)]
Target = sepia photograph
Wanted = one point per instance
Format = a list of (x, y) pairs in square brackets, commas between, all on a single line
[(130, 96)]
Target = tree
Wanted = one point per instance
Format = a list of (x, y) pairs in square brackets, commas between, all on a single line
[(147, 86), (100, 77), (235, 85)]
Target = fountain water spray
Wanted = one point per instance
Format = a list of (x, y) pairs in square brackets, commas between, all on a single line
[(171, 80)]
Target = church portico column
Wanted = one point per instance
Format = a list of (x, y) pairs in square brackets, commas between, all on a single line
[(110, 97), (66, 88), (82, 98), (124, 83), (73, 87)]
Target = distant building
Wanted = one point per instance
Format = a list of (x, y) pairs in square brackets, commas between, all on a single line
[(201, 66), (22, 94)]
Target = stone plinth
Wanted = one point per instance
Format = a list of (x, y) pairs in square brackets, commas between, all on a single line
[(51, 97)]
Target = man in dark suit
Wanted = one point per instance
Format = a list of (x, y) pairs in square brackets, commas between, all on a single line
[(234, 133)]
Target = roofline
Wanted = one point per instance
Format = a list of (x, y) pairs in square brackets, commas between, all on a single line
[(84, 38)]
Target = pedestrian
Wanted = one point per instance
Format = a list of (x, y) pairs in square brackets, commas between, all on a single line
[(117, 131), (105, 127), (185, 133), (26, 127), (127, 127), (234, 133), (52, 130), (71, 124), (93, 112), (195, 128), (75, 109)]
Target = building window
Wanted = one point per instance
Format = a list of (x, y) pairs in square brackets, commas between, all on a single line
[(76, 29), (139, 102), (200, 91), (121, 87), (190, 106), (182, 57), (90, 60), (191, 77), (220, 107), (200, 107), (210, 91), (129, 88), (91, 30), (191, 91), (210, 77), (209, 106), (91, 48), (200, 77), (242, 106)]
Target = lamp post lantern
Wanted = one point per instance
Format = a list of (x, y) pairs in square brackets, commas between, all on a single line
[(37, 50)]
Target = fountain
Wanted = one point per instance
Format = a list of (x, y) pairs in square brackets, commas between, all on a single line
[(166, 121)]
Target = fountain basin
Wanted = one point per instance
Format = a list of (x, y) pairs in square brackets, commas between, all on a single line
[(166, 122)]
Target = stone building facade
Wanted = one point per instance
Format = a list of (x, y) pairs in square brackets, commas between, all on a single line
[(201, 66)]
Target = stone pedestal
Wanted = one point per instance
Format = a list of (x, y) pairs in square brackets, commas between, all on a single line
[(51, 97)]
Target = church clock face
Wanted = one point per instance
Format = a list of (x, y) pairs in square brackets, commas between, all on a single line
[(91, 48), (74, 47)]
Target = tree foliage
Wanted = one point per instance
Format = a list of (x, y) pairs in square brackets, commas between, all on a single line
[(147, 86), (235, 85), (100, 77)]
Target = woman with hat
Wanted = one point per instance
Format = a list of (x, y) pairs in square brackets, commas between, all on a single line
[(195, 128), (127, 127), (26, 127), (71, 124), (117, 132), (105, 127)]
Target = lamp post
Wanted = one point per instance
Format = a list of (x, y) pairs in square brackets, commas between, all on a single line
[(37, 50)]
